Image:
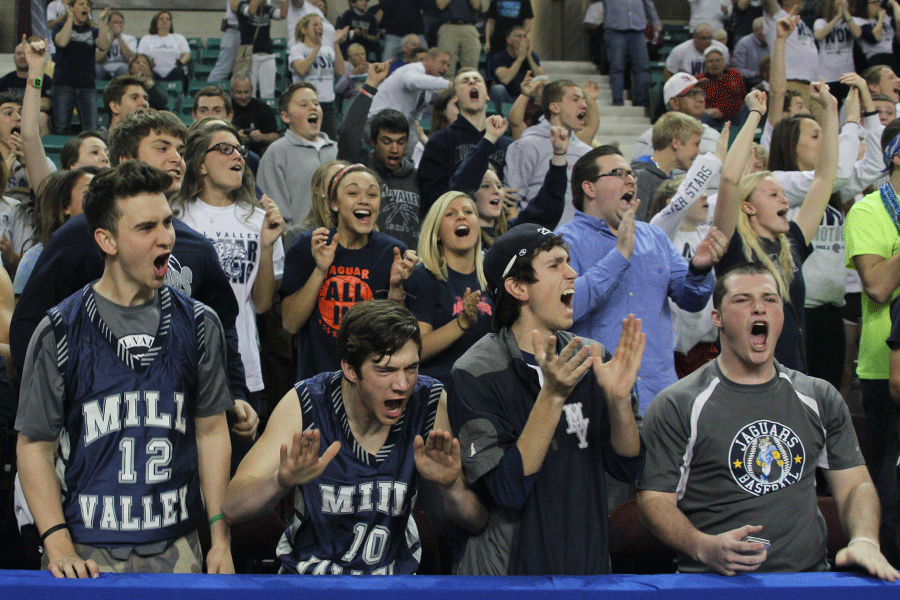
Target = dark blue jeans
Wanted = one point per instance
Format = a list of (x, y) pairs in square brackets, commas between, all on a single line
[(64, 98), (631, 45)]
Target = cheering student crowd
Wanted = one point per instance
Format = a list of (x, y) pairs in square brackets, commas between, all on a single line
[(499, 321)]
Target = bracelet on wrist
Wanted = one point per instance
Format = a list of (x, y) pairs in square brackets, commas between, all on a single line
[(869, 113), (53, 530), (560, 153), (754, 110), (218, 517), (459, 323)]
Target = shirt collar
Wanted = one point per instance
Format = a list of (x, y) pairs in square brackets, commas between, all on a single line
[(595, 223)]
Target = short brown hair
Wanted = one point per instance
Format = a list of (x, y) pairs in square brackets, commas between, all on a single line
[(126, 136), (374, 329), (554, 92)]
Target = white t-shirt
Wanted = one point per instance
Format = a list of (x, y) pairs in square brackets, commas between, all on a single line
[(835, 51), (709, 12), (594, 14), (691, 328), (115, 56), (885, 45), (235, 236), (686, 58), (295, 14), (55, 10), (802, 56), (165, 50), (321, 72)]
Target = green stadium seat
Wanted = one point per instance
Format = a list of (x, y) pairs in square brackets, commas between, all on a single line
[(213, 42), (209, 56), (202, 70), (195, 42), (54, 143)]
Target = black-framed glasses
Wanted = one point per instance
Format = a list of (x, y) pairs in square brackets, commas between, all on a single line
[(226, 149), (621, 173)]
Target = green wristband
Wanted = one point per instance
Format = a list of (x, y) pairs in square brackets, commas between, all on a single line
[(218, 517)]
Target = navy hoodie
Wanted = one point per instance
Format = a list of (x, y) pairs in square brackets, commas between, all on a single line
[(444, 166)]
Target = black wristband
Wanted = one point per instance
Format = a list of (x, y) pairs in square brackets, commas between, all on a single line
[(53, 530), (700, 272), (870, 113)]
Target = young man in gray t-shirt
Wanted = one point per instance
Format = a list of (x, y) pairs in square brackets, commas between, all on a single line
[(732, 451)]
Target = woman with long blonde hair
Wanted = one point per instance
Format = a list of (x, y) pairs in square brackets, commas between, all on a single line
[(444, 290), (752, 213)]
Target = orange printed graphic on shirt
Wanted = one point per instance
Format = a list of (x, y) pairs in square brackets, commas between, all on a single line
[(344, 287)]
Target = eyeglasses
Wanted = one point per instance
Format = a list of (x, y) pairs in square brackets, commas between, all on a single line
[(621, 173), (226, 149)]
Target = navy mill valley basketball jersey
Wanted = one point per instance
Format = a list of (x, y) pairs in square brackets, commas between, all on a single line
[(356, 518), (129, 449)]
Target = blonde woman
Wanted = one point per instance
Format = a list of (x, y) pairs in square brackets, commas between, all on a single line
[(444, 290), (320, 213), (312, 61), (751, 212)]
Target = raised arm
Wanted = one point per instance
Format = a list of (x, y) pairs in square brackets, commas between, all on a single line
[(438, 460), (704, 169), (284, 457), (516, 115), (777, 73), (813, 207), (64, 35), (339, 38), (435, 341), (35, 157), (264, 287), (297, 308), (351, 142), (728, 203), (303, 65)]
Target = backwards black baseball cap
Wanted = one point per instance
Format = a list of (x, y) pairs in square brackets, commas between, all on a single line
[(509, 248)]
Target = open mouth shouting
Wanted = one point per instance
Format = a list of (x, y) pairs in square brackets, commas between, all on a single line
[(566, 298), (161, 265), (628, 196), (759, 335), (363, 215), (393, 407), (462, 231)]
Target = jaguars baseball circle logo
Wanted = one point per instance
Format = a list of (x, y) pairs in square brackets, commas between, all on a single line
[(765, 457)]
